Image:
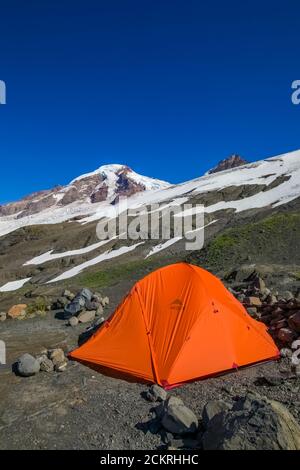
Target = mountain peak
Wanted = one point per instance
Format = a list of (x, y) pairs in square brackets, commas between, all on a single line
[(232, 161)]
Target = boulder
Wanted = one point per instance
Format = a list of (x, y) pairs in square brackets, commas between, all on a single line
[(294, 322), (57, 356), (253, 423), (178, 418), (156, 393), (85, 317), (46, 365), (3, 316), (17, 311), (73, 321), (85, 293), (212, 408), (27, 365)]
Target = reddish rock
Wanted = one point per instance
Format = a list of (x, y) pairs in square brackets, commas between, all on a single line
[(286, 335), (294, 322), (280, 324), (16, 311)]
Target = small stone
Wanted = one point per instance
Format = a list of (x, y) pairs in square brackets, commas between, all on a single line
[(92, 305), (73, 321), (104, 301), (97, 297), (286, 352), (27, 365), (68, 294), (61, 367), (253, 301), (252, 311), (259, 283), (3, 316), (85, 317), (156, 393), (287, 295), (99, 311)]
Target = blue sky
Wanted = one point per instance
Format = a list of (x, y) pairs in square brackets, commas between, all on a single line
[(167, 87)]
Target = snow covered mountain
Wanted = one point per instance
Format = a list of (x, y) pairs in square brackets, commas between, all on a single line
[(80, 196), (63, 242)]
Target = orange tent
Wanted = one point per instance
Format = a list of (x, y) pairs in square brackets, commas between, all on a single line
[(178, 324)]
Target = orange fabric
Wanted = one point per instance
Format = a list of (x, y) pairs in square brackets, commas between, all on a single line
[(177, 324)]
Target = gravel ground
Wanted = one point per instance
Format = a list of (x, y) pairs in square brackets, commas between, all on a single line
[(83, 409)]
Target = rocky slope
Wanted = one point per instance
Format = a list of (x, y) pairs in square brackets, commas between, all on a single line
[(231, 162)]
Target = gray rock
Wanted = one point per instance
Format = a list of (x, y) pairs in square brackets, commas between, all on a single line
[(73, 321), (252, 311), (86, 294), (92, 305), (244, 272), (253, 423), (46, 365), (61, 302), (3, 316), (27, 365), (98, 322), (74, 307), (156, 393), (61, 367), (177, 418), (212, 408), (85, 317), (97, 297)]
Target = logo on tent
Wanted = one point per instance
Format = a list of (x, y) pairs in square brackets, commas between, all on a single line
[(176, 305)]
